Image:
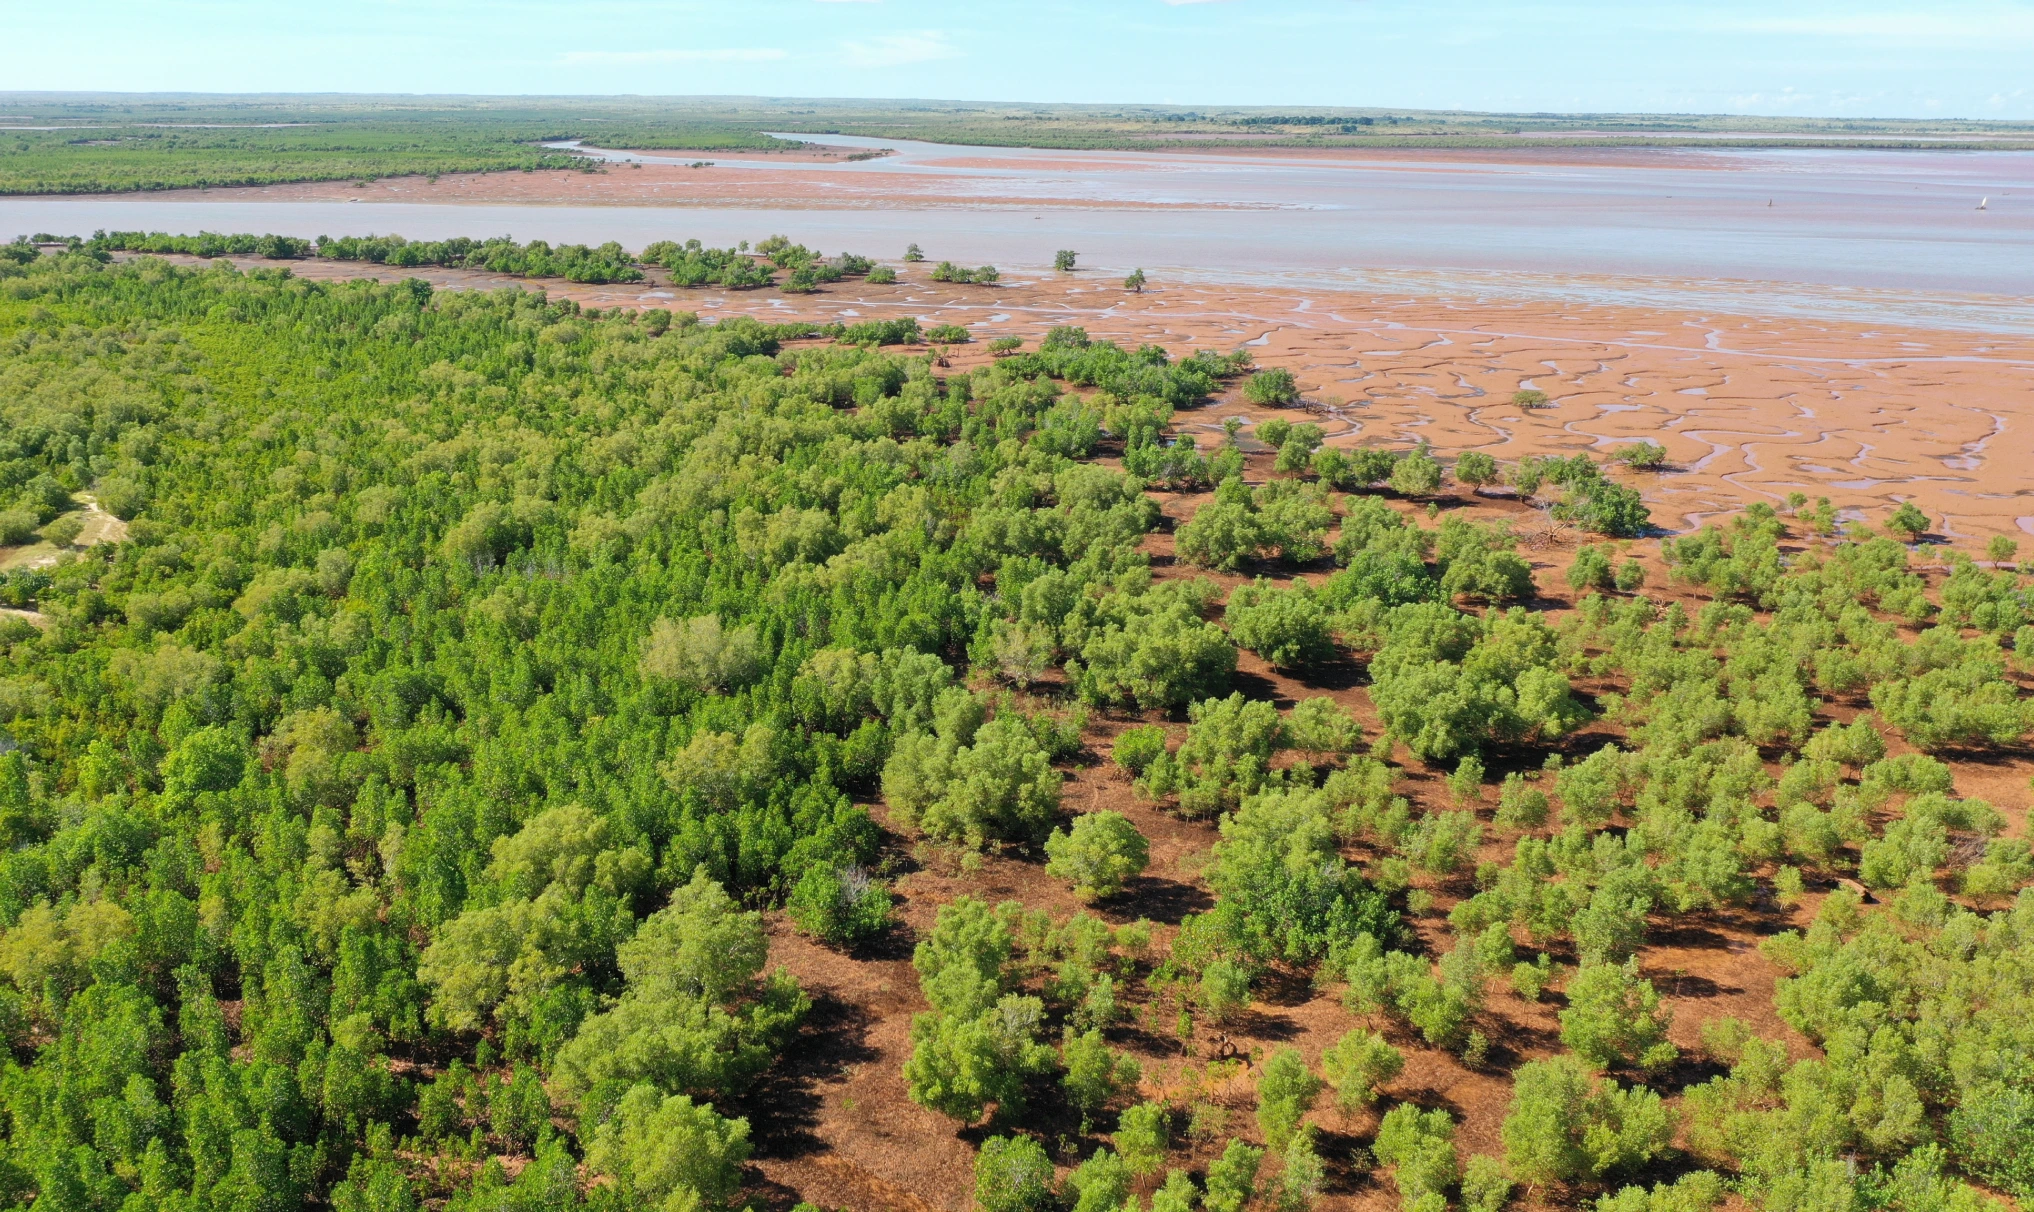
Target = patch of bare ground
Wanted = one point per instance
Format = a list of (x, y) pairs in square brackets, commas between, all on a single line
[(97, 526), (832, 1123)]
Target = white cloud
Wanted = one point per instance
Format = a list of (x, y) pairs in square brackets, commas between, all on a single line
[(755, 54), (1985, 26), (896, 50)]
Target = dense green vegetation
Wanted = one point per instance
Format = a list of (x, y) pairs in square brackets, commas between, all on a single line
[(688, 264), (464, 655), (116, 144), (406, 790), (537, 259)]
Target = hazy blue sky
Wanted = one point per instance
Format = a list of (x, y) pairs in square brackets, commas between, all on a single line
[(1918, 58)]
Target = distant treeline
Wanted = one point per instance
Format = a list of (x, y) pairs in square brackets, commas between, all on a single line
[(204, 244), (573, 262), (689, 263), (128, 145), (94, 160), (1306, 120), (501, 255)]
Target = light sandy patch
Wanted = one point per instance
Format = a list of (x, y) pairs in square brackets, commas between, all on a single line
[(98, 527), (32, 555)]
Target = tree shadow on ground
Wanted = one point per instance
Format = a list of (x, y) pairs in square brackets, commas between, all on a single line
[(1340, 1150), (1692, 1069), (1340, 674), (1162, 900), (1255, 686), (1692, 988), (763, 1195), (894, 942), (1282, 988), (1680, 932), (1258, 1024), (783, 1107)]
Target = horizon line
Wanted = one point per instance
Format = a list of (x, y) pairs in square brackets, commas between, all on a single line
[(63, 95)]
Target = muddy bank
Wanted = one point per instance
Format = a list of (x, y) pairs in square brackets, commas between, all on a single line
[(719, 180)]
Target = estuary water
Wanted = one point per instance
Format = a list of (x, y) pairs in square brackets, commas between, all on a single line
[(1936, 238)]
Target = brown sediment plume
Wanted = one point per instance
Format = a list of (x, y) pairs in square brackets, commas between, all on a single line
[(1748, 409), (723, 182), (815, 177), (965, 178)]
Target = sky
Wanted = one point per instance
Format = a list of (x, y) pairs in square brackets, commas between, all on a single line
[(1859, 58)]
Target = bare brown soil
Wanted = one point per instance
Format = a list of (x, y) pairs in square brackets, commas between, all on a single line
[(761, 179)]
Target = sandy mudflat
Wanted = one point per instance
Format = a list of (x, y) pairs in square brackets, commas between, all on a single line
[(953, 177), (1860, 236), (724, 183), (931, 175), (811, 153), (950, 177), (1748, 409)]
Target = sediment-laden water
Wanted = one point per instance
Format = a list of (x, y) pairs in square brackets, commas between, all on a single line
[(1841, 234)]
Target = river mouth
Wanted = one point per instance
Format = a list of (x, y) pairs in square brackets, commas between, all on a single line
[(1846, 235)]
